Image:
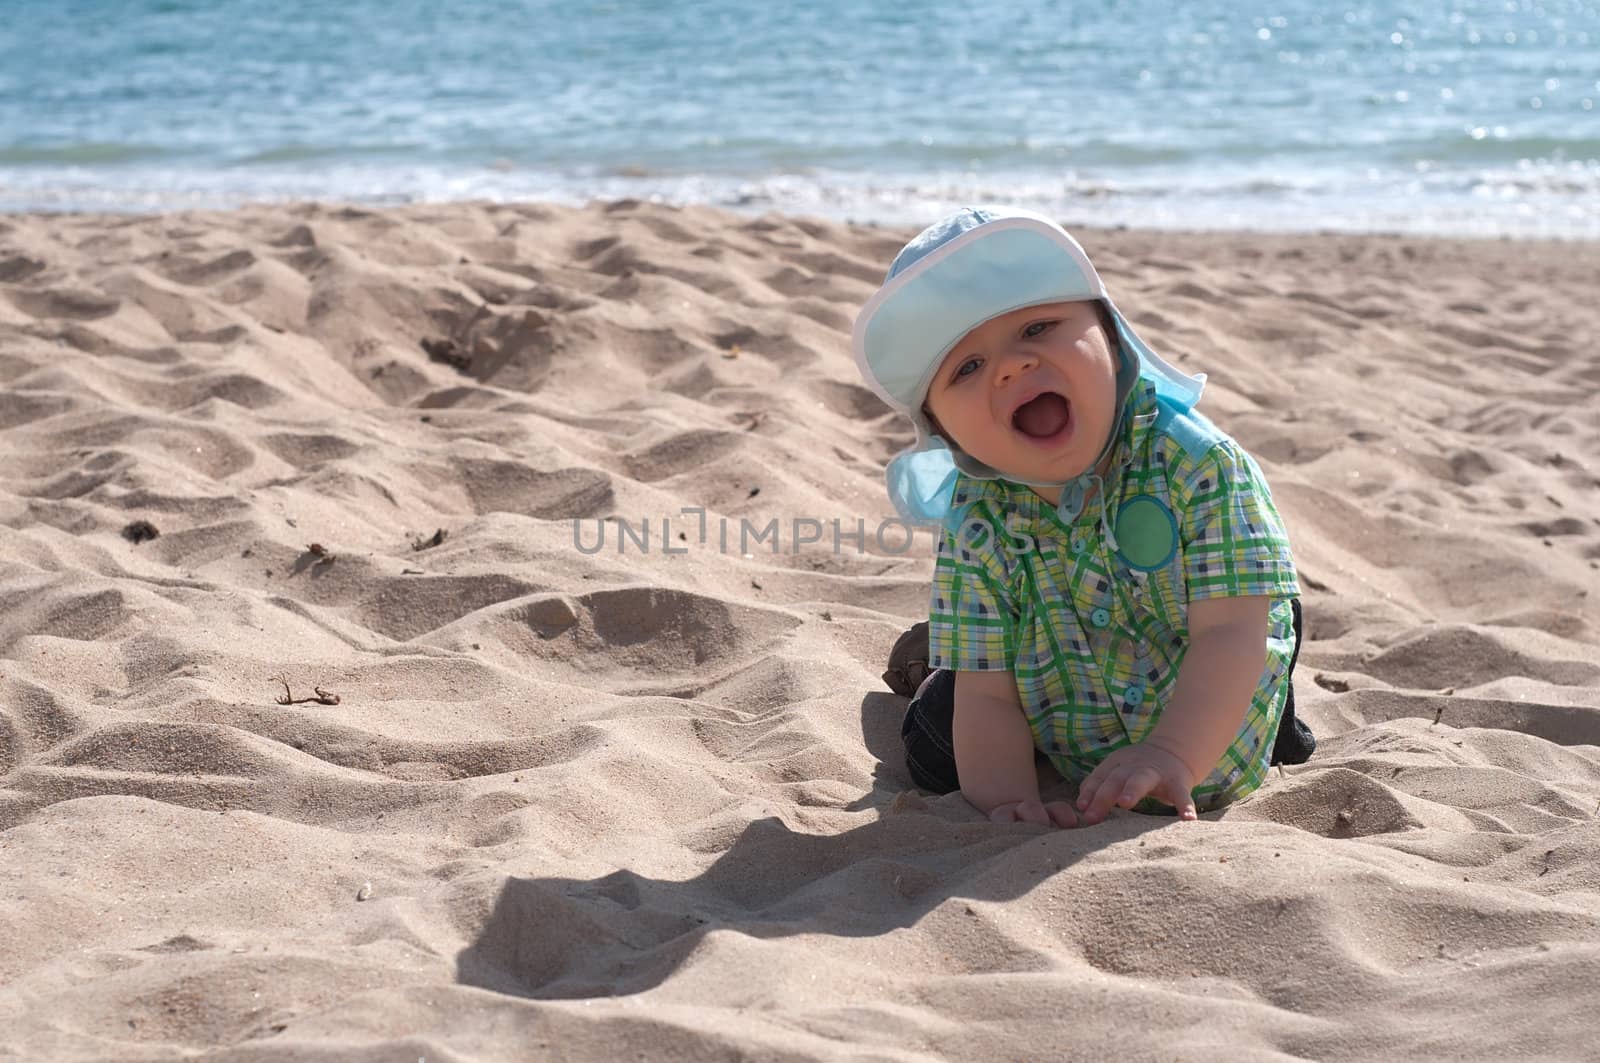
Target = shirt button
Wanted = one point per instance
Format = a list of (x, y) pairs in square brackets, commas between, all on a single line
[(1134, 695), (1078, 542), (1100, 617)]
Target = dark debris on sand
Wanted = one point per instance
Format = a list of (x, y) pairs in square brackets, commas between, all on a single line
[(447, 351), (435, 539), (140, 531)]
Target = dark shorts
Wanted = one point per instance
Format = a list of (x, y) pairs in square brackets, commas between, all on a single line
[(930, 753)]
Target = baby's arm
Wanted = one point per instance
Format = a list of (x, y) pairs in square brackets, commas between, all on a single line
[(1226, 654), (994, 752), (1227, 651)]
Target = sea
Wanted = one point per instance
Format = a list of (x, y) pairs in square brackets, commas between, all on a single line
[(1470, 117)]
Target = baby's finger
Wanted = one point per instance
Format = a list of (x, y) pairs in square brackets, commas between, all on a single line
[(1180, 799), (1033, 812), (1003, 813), (1104, 796), (1061, 814), (1088, 788), (1175, 787), (1094, 780), (1139, 783)]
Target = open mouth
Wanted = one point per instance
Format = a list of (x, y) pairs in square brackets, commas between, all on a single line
[(1043, 417)]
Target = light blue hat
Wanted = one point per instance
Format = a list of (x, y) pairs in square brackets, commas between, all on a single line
[(976, 264)]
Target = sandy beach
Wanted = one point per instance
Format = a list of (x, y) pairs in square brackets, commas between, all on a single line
[(567, 772)]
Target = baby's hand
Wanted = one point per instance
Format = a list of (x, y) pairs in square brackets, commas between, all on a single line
[(1132, 773), (1058, 813)]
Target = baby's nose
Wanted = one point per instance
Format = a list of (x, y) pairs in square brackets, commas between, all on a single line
[(1013, 364)]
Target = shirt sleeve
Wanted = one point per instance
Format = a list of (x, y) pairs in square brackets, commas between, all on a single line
[(1234, 542), (971, 617)]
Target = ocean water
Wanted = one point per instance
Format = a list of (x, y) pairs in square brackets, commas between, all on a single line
[(1466, 116)]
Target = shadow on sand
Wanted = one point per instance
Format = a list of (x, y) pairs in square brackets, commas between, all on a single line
[(563, 938)]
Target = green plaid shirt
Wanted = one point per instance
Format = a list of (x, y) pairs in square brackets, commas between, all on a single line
[(1095, 644)]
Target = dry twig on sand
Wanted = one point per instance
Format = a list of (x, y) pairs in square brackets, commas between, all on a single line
[(320, 696)]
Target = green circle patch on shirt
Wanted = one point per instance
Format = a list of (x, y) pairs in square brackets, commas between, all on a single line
[(1147, 532)]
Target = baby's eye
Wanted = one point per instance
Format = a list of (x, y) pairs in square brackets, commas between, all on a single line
[(1035, 329), (968, 367)]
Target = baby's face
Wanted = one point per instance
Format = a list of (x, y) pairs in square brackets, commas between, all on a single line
[(1030, 393)]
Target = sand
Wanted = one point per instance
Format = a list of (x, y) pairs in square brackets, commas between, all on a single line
[(646, 802)]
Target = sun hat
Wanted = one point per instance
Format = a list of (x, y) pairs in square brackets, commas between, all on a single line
[(961, 271)]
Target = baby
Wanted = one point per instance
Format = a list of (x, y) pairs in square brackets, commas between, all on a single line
[(1113, 587)]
